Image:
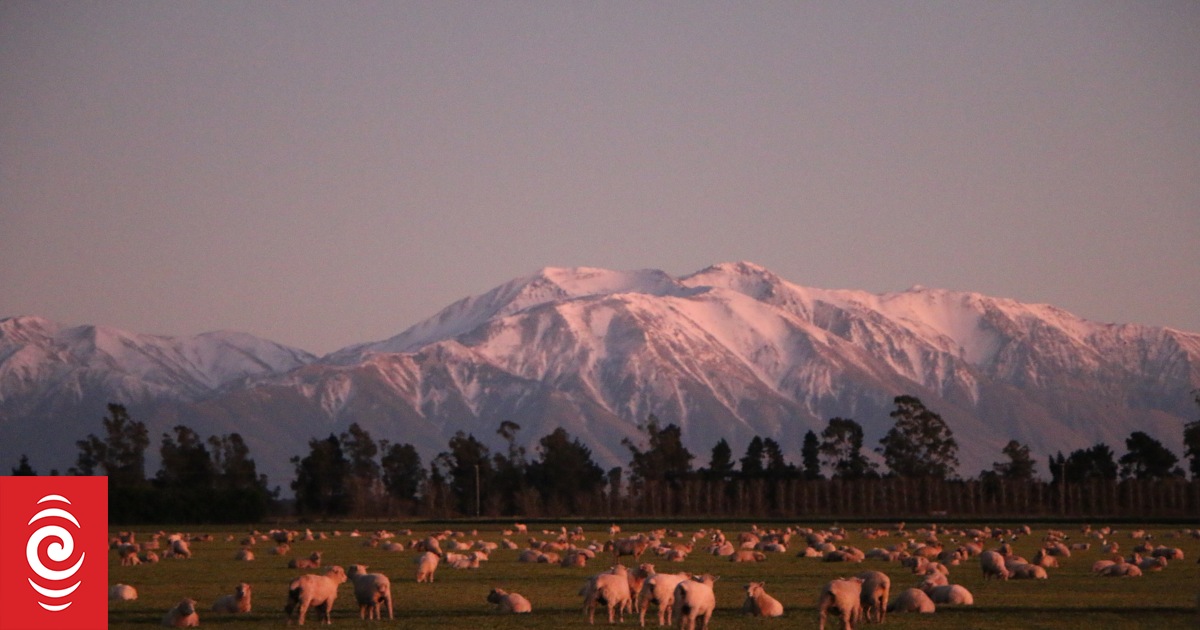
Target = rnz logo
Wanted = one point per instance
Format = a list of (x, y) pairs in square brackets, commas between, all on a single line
[(53, 533)]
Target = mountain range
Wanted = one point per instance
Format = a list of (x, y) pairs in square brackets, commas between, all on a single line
[(731, 351)]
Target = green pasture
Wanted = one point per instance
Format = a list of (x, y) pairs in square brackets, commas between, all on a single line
[(1071, 598)]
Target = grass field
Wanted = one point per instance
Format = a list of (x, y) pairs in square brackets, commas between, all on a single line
[(1071, 598)]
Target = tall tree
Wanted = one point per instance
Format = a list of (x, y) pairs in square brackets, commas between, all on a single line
[(920, 444), (1147, 458), (364, 488), (665, 458), (720, 462), (752, 461), (564, 472), (776, 466), (1085, 464), (469, 470), (1020, 466), (810, 456), (1191, 441), (185, 461), (403, 472), (121, 454), (320, 483), (510, 469), (841, 450), (23, 468)]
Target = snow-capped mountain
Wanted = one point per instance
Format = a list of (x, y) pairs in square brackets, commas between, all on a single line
[(731, 351)]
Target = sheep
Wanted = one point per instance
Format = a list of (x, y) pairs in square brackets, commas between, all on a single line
[(1045, 560), (179, 549), (746, 555), (759, 604), (281, 549), (311, 590), (876, 588), (993, 566), (244, 554), (659, 589), (427, 564), (237, 602), (183, 615), (507, 603), (1027, 571), (1157, 563), (843, 595), (950, 594), (1120, 569), (372, 590), (694, 600), (629, 547), (912, 600), (610, 589), (122, 593), (313, 561)]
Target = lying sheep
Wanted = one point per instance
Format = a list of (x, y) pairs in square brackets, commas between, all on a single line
[(876, 588), (758, 603), (427, 564), (950, 594), (1027, 571), (912, 600), (313, 561), (237, 602), (993, 566), (244, 554), (122, 593), (183, 615), (610, 589), (844, 596), (746, 555), (694, 601), (1120, 569), (372, 590), (507, 603), (311, 590), (659, 589)]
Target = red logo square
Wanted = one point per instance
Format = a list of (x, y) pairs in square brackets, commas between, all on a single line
[(54, 551)]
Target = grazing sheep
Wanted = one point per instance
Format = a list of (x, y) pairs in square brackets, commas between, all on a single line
[(179, 549), (635, 547), (122, 593), (950, 594), (311, 590), (509, 602), (659, 589), (759, 604), (313, 561), (876, 588), (912, 600), (237, 602), (427, 564), (372, 590), (843, 595), (694, 601), (183, 615), (993, 566), (610, 589)]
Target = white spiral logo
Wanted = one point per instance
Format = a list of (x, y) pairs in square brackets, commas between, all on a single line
[(59, 551)]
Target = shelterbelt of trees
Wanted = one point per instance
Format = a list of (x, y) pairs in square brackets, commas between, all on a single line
[(353, 475)]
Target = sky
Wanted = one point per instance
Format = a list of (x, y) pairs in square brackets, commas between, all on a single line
[(328, 173)]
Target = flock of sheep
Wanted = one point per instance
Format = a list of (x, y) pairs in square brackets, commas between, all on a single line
[(683, 599)]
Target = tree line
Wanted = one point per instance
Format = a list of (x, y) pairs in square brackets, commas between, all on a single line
[(353, 475)]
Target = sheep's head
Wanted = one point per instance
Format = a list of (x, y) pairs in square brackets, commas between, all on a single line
[(187, 607), (242, 590)]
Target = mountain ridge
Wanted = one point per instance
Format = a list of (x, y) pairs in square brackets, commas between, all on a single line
[(732, 351)]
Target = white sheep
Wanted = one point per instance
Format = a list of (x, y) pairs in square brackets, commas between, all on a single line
[(313, 561), (694, 601), (993, 566), (506, 602), (1027, 571), (122, 593), (843, 595), (758, 603), (311, 590), (610, 589), (179, 549), (950, 594), (427, 564), (372, 590), (912, 600), (236, 602), (245, 555), (748, 555), (659, 589), (1120, 569), (876, 589), (183, 615)]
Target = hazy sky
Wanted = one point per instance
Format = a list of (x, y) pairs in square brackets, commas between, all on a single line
[(326, 173)]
